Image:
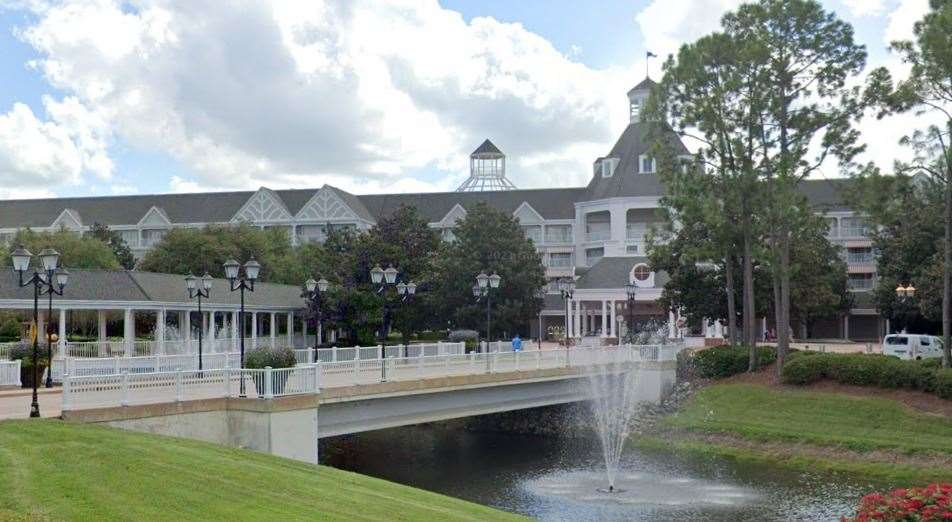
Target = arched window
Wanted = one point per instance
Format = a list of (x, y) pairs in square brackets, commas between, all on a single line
[(641, 272)]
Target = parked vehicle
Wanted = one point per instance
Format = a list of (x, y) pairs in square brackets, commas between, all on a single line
[(912, 346)]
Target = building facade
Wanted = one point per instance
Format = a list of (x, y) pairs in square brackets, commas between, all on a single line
[(595, 234)]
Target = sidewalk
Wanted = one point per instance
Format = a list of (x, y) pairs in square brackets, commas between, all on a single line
[(15, 402)]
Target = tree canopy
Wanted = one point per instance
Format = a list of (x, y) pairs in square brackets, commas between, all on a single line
[(76, 251)]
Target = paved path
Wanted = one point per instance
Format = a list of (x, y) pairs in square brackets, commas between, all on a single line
[(15, 403)]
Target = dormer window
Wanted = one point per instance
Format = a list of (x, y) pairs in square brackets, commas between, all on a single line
[(647, 164), (606, 167)]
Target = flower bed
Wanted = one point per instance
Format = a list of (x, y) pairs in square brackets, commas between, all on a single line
[(931, 503)]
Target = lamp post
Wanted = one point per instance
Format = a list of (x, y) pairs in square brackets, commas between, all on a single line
[(42, 280), (540, 294), (242, 282), (485, 284), (567, 289), (631, 290), (385, 278), (194, 290), (904, 293), (314, 292)]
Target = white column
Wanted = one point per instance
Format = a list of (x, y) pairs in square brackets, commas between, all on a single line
[(672, 325), (62, 331), (101, 318), (763, 326), (291, 329), (273, 329), (707, 328), (612, 321), (41, 327), (160, 331), (128, 330), (569, 326), (576, 318), (186, 326), (204, 327), (254, 329), (211, 329), (604, 318), (234, 331)]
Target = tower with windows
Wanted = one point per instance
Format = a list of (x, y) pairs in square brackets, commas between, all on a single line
[(637, 97), (487, 170)]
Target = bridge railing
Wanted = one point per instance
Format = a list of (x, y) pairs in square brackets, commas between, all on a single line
[(132, 382)]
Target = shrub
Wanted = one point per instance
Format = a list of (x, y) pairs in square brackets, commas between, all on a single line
[(933, 502), (943, 383), (459, 336), (724, 361), (273, 357), (805, 370), (24, 353)]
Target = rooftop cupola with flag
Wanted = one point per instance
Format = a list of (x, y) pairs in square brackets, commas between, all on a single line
[(637, 97)]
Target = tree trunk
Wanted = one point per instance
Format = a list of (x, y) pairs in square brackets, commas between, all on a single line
[(731, 300), (749, 334), (947, 276), (783, 319)]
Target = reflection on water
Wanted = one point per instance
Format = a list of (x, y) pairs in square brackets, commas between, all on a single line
[(557, 480)]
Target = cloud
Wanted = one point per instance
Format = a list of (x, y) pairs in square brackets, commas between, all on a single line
[(860, 8), (252, 93), (666, 24), (51, 153), (902, 19)]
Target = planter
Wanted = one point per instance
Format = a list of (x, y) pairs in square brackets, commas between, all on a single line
[(279, 381), (26, 376)]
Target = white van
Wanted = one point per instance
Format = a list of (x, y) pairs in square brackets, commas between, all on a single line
[(912, 346)]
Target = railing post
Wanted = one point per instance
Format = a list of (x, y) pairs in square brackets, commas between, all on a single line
[(178, 386), (317, 378), (227, 374), (115, 365), (268, 391), (312, 355), (517, 360), (539, 360), (420, 364), (67, 390), (567, 362), (492, 362), (155, 361), (124, 389)]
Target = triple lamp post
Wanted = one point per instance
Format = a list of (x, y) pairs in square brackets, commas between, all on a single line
[(483, 287), (42, 280), (191, 284), (314, 292)]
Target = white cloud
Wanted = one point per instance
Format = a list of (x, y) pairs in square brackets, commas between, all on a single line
[(902, 19), (666, 24), (52, 153), (861, 8), (290, 92)]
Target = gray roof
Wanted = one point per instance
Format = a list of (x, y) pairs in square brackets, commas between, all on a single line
[(646, 84), (149, 287), (826, 194), (627, 181), (558, 203), (487, 147), (613, 272)]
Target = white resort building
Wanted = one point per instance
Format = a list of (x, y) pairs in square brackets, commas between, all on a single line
[(595, 234)]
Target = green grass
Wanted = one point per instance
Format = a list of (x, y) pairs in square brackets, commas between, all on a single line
[(858, 423), (58, 471)]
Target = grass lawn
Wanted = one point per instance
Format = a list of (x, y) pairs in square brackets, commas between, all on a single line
[(59, 471), (859, 423), (884, 437)]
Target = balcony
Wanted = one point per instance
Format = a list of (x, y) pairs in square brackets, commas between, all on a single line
[(599, 234), (559, 235), (560, 261), (860, 283), (860, 258)]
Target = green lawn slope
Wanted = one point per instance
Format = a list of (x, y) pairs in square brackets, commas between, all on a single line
[(58, 471)]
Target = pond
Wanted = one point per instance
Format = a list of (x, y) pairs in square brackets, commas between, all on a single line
[(553, 479)]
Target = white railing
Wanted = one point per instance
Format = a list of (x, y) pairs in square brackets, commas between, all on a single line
[(348, 353), (135, 384), (10, 373), (87, 366)]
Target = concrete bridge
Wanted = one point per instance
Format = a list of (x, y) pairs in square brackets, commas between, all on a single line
[(285, 412)]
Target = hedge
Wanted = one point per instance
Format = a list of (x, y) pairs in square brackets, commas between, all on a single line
[(723, 361), (869, 370)]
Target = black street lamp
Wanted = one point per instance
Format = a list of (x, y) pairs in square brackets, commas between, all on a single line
[(43, 283), (540, 294), (49, 325), (567, 289), (631, 290), (484, 286), (242, 283), (383, 279), (194, 290), (314, 292)]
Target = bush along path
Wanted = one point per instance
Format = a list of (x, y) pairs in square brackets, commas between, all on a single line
[(850, 428)]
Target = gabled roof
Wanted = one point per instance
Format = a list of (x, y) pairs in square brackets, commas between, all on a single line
[(613, 272), (263, 205), (487, 148), (68, 219), (626, 180), (646, 85)]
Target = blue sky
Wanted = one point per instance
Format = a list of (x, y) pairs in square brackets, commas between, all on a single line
[(103, 97)]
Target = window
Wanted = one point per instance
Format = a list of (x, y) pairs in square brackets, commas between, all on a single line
[(152, 237), (647, 164), (448, 235), (606, 166), (853, 227), (592, 255), (636, 231), (859, 256), (533, 232), (558, 234), (897, 340), (642, 272), (632, 249), (924, 341), (560, 260), (130, 237), (310, 233), (860, 281)]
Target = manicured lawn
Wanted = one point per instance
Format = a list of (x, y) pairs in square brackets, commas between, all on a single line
[(58, 471), (761, 413)]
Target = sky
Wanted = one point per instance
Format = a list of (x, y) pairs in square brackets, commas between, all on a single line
[(103, 97)]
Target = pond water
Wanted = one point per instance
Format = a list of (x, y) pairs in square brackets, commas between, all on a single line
[(554, 479)]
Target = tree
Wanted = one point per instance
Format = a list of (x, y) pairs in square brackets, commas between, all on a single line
[(116, 243), (76, 251), (927, 90), (196, 251), (804, 56), (488, 240)]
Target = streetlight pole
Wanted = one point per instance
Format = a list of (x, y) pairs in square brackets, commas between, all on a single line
[(905, 293), (631, 290), (241, 283), (567, 289), (199, 291), (42, 282), (314, 292), (383, 279), (486, 284)]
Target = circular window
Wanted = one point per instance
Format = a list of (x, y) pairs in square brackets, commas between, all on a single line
[(642, 273)]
